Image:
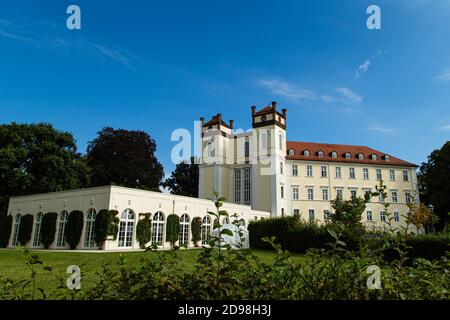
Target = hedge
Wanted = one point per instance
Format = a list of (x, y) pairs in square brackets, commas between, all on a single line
[(106, 224), (48, 228), (5, 230), (293, 234), (173, 229), (144, 231), (25, 229), (74, 228), (196, 229)]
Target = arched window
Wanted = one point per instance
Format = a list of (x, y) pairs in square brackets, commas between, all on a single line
[(264, 139), (373, 156), (387, 157), (280, 141), (347, 155), (89, 240), (247, 148), (320, 154), (37, 230), (184, 230), (206, 229), (242, 223), (226, 220), (126, 227), (158, 228), (291, 152), (361, 156), (334, 154), (15, 241), (61, 241), (306, 153)]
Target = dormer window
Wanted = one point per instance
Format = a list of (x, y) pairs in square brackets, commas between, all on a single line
[(291, 152), (334, 155), (360, 156), (373, 157), (320, 154), (387, 157), (306, 153), (347, 155)]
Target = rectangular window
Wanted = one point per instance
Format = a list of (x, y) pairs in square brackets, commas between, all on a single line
[(381, 198), (379, 176), (396, 216), (338, 172), (339, 194), (326, 215), (311, 215), (383, 215), (295, 193), (295, 170), (309, 171), (366, 173), (369, 215), (247, 148), (310, 194), (247, 185), (325, 194), (408, 197), (282, 192), (324, 171), (405, 175), (394, 197), (353, 193), (352, 173), (296, 212), (237, 185), (282, 212), (392, 175), (281, 167)]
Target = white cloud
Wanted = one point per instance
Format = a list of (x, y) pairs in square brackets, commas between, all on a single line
[(444, 76), (382, 130), (286, 89), (348, 96), (363, 68)]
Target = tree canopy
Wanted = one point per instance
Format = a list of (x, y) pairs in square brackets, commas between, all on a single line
[(125, 158), (37, 158), (434, 182), (184, 179)]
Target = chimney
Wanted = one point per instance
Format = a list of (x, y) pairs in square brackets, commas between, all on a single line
[(253, 110), (232, 124), (284, 112), (274, 106)]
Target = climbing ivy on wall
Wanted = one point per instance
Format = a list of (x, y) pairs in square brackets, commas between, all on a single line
[(196, 228), (25, 229), (144, 231), (5, 230), (172, 229), (74, 228), (106, 224), (48, 228)]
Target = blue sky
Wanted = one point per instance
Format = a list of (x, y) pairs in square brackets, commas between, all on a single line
[(160, 65)]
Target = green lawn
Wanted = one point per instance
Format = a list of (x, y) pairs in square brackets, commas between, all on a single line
[(12, 263)]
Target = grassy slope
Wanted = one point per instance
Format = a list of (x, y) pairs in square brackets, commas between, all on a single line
[(12, 263)]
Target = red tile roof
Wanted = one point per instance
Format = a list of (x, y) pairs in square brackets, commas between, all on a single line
[(215, 120), (341, 149)]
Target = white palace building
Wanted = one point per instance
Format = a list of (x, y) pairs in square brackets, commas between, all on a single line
[(259, 172)]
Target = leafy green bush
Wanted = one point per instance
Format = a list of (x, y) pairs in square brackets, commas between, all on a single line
[(48, 228), (196, 229), (26, 227), (292, 233), (74, 228), (5, 230), (172, 229), (106, 224), (144, 231)]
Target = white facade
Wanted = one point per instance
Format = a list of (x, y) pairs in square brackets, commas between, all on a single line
[(131, 204)]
